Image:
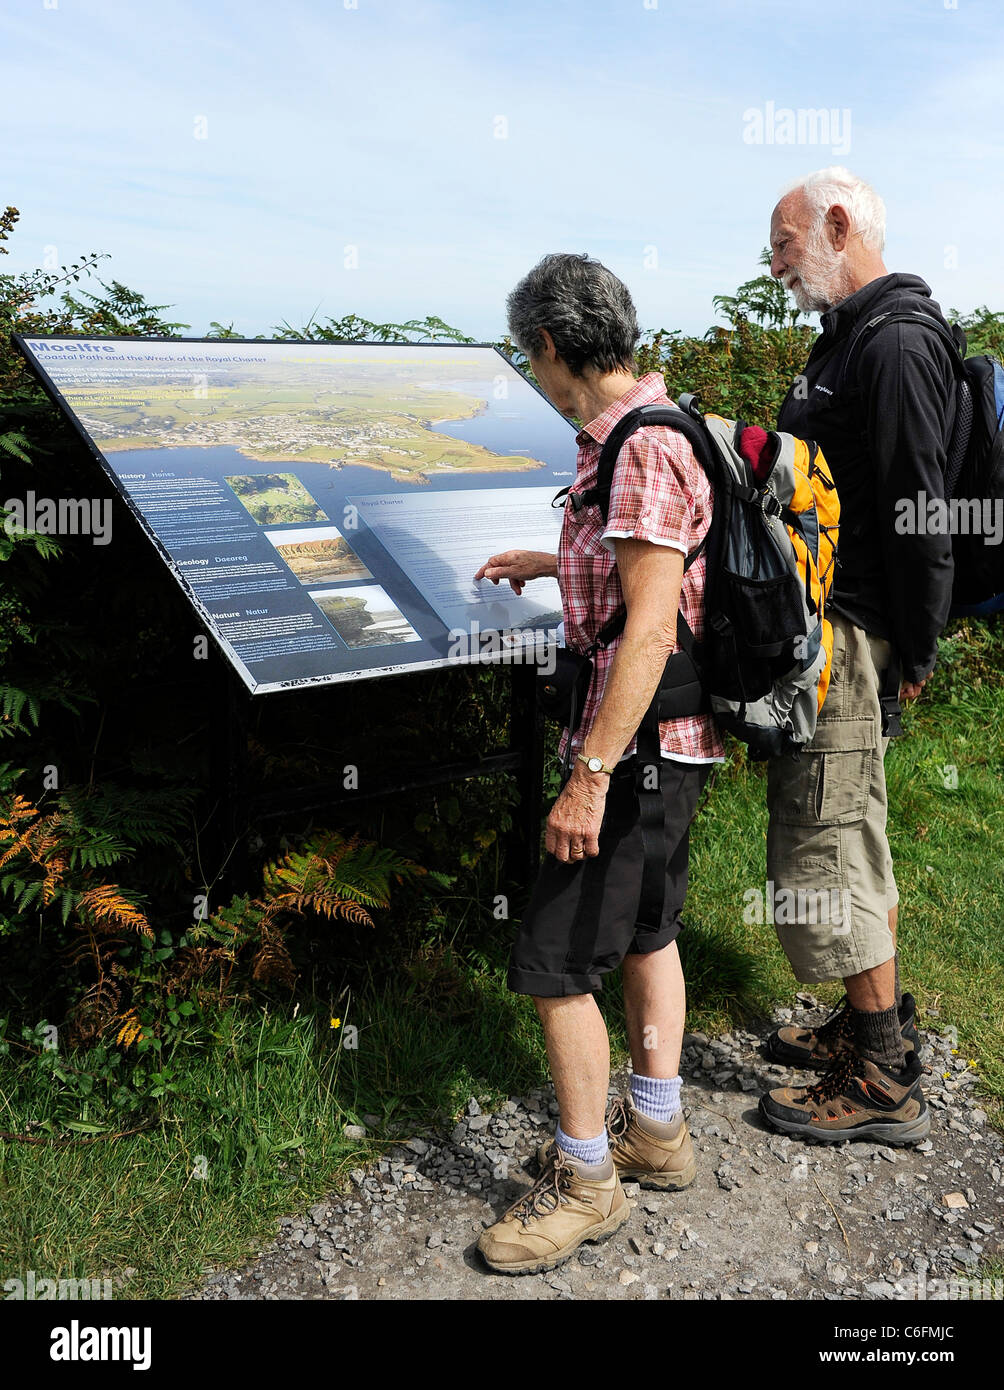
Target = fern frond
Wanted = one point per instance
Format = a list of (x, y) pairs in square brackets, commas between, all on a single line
[(335, 867), (272, 961), (355, 912), (131, 1030), (106, 907), (14, 443), (96, 1010)]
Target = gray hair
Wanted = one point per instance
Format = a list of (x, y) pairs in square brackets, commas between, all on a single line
[(836, 185), (587, 311)]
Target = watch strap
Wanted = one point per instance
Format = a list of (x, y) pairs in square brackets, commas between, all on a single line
[(585, 758)]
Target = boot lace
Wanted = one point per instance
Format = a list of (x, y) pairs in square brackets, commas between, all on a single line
[(841, 1070), (838, 1025), (618, 1119), (549, 1191)]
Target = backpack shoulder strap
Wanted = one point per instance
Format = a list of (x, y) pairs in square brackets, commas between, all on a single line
[(648, 758), (614, 626), (599, 493), (692, 428), (953, 337), (694, 431)]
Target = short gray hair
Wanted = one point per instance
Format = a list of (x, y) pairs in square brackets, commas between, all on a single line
[(587, 311), (836, 185)]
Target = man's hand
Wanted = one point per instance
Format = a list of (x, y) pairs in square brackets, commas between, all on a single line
[(518, 566), (909, 690), (573, 827)]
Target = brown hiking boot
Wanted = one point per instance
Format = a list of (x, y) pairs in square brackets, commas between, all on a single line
[(813, 1049), (855, 1099), (644, 1151), (563, 1210)]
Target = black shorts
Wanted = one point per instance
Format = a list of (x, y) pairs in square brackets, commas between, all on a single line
[(581, 920)]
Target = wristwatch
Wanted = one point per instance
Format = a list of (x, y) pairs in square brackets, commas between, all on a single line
[(594, 764)]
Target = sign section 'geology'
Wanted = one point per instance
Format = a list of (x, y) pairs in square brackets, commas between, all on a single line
[(325, 507)]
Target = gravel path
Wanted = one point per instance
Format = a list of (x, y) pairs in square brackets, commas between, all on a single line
[(767, 1217)]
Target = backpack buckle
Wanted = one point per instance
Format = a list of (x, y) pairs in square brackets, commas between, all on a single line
[(564, 495), (769, 504)]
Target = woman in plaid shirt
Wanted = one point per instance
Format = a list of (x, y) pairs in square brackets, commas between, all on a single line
[(577, 325)]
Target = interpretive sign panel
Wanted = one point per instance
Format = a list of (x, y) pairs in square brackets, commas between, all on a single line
[(325, 507)]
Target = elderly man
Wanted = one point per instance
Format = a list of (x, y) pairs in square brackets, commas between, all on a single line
[(576, 323), (883, 411)]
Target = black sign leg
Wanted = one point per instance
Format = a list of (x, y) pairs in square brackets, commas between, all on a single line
[(526, 733), (227, 860)]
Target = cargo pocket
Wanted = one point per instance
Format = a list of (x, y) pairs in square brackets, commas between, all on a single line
[(792, 789), (847, 749), (830, 783)]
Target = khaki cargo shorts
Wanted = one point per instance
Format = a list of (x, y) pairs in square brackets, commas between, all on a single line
[(829, 869)]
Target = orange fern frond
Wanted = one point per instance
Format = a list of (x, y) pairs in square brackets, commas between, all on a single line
[(355, 912), (106, 908), (131, 1030), (20, 809)]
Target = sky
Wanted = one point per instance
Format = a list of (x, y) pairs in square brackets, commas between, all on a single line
[(254, 163)]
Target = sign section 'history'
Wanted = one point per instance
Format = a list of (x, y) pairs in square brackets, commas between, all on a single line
[(326, 506)]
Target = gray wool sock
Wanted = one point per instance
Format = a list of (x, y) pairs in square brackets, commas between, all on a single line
[(877, 1036)]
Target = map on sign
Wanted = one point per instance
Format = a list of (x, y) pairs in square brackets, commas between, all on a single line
[(325, 507)]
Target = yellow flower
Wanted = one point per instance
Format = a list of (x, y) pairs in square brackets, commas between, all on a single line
[(336, 1023)]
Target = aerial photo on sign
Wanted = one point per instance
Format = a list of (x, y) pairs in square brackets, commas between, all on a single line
[(325, 506)]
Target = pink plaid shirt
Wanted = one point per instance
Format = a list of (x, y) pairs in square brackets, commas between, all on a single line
[(661, 494)]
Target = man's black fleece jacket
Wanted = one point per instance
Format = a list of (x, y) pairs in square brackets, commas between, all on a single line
[(885, 429)]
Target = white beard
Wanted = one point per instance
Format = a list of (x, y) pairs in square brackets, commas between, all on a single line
[(820, 275)]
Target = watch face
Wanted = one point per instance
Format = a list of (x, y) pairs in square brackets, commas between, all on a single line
[(595, 764)]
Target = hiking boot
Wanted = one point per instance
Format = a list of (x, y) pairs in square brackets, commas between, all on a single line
[(855, 1099), (563, 1210), (644, 1151), (799, 1045)]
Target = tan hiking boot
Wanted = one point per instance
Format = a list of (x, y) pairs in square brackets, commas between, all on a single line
[(563, 1210), (644, 1151)]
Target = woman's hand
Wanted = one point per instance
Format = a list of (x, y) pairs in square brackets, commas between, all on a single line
[(518, 566), (573, 827)]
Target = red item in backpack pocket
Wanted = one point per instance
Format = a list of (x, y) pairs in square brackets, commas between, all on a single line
[(759, 450)]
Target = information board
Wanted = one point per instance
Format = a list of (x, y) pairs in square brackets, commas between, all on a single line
[(325, 507)]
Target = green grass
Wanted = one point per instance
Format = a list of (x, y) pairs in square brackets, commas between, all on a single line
[(264, 1103), (266, 1094), (257, 1107)]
